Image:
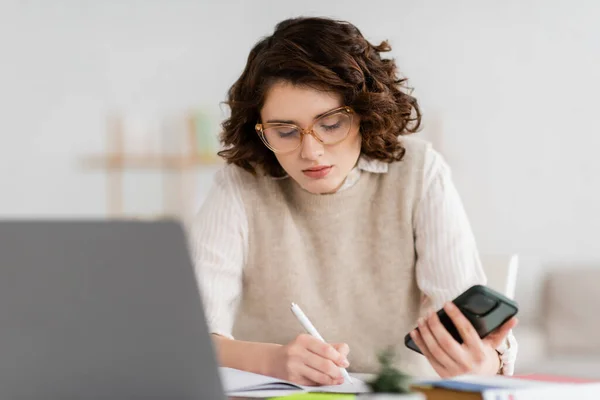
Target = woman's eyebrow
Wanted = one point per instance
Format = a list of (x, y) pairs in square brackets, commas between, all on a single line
[(281, 121), (289, 121)]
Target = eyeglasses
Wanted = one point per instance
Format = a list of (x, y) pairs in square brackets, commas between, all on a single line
[(330, 128)]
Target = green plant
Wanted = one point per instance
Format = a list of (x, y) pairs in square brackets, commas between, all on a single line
[(389, 379)]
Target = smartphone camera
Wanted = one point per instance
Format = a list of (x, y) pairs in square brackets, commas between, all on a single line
[(479, 305)]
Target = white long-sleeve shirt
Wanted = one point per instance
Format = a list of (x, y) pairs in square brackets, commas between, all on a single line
[(447, 256)]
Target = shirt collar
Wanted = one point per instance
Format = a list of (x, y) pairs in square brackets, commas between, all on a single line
[(372, 165)]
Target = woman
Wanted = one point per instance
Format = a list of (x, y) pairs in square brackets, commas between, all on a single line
[(328, 203)]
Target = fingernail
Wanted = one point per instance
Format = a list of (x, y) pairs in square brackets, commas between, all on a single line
[(421, 321), (345, 363)]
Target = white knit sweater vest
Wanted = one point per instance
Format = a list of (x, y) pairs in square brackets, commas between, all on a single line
[(347, 259)]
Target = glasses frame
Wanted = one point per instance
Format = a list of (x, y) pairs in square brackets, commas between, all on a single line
[(260, 128)]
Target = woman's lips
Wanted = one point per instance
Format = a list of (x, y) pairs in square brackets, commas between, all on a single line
[(320, 171)]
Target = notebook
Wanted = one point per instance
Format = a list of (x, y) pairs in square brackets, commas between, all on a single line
[(247, 384), (470, 387)]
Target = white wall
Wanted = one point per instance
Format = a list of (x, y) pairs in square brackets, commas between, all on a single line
[(509, 90)]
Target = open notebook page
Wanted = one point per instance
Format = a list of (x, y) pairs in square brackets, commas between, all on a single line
[(242, 383)]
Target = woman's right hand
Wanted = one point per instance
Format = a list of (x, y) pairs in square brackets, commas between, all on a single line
[(308, 361)]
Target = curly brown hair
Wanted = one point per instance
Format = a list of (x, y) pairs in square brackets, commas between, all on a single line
[(325, 54)]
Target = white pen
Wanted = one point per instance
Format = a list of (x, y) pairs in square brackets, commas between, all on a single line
[(303, 319)]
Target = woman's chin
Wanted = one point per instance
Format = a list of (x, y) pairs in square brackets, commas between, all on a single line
[(321, 186)]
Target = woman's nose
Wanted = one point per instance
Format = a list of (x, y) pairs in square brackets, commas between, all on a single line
[(312, 149)]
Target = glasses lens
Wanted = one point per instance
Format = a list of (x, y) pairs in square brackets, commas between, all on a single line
[(333, 128), (282, 138)]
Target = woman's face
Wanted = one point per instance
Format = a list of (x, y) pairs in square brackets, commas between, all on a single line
[(318, 168)]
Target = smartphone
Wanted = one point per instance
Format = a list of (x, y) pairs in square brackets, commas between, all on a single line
[(485, 308)]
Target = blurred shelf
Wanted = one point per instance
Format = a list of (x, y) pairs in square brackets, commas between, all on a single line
[(188, 132), (133, 161)]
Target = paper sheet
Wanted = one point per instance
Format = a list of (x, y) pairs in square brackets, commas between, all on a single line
[(247, 384)]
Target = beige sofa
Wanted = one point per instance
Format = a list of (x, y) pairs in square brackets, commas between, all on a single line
[(566, 340)]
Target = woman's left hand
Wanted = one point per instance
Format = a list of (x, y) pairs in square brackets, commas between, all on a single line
[(450, 358)]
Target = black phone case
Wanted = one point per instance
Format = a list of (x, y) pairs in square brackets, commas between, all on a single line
[(485, 308)]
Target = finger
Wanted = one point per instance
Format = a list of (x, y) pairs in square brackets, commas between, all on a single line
[(448, 351), (433, 347), (496, 338), (418, 339), (466, 330), (321, 364), (342, 348), (318, 377), (322, 349)]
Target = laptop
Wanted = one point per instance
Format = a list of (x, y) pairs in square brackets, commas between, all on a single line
[(101, 310)]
